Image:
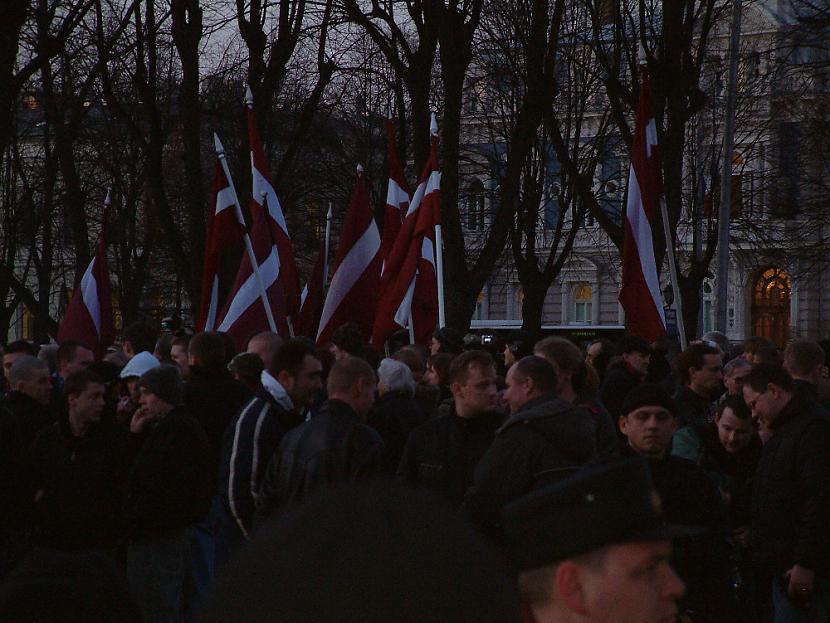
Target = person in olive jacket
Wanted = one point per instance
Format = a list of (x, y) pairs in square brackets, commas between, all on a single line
[(790, 502), (545, 439), (168, 490)]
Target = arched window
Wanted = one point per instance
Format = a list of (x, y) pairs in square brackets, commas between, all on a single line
[(583, 303), (475, 205)]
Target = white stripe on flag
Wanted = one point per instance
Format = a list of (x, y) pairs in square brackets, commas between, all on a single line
[(395, 195), (260, 185), (427, 250), (224, 199), (404, 312), (249, 293), (641, 230), (214, 304), (89, 294), (350, 271)]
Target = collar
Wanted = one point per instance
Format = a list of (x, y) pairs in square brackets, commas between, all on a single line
[(273, 387)]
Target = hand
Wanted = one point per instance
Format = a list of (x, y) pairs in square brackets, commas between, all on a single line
[(125, 407), (141, 418), (742, 535), (800, 587)]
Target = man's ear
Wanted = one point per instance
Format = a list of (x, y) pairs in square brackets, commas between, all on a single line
[(623, 424), (569, 586), (455, 387), (285, 379)]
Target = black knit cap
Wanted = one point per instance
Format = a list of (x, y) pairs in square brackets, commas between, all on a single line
[(166, 382), (366, 553), (608, 503), (648, 395)]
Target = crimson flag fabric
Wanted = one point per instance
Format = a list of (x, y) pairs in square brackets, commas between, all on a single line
[(224, 231), (88, 318), (397, 195), (353, 290), (244, 314), (640, 292), (407, 257), (311, 299), (276, 219)]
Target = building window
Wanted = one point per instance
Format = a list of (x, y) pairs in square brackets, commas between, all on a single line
[(583, 303), (475, 206), (480, 312)]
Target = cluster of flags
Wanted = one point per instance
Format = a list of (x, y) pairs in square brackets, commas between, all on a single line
[(385, 281)]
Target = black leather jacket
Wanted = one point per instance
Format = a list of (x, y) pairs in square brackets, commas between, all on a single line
[(334, 446), (544, 441), (791, 497)]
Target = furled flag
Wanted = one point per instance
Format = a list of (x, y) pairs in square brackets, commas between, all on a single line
[(398, 284), (640, 292), (224, 231), (397, 195), (245, 314), (261, 178), (353, 290), (312, 298), (89, 316)]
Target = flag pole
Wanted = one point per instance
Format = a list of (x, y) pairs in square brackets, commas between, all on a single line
[(220, 151), (329, 217), (678, 303), (439, 249)]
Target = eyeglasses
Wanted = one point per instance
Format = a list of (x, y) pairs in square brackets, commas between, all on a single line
[(751, 404)]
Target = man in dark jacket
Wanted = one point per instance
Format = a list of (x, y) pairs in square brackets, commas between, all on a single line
[(442, 454), (289, 386), (333, 447), (688, 497), (804, 360), (700, 372), (396, 412), (544, 440), (213, 397), (80, 466), (790, 504), (624, 375), (168, 490)]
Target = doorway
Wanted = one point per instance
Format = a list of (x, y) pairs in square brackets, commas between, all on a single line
[(771, 306)]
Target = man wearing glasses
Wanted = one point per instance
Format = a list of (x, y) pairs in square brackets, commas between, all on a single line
[(791, 507)]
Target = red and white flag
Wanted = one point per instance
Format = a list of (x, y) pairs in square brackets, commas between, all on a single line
[(261, 178), (312, 298), (411, 255), (397, 195), (244, 314), (88, 318), (224, 231), (353, 290), (640, 292)]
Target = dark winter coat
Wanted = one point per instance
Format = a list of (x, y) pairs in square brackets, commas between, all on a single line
[(82, 479), (689, 497), (394, 416), (606, 427), (333, 447), (214, 397), (693, 409), (169, 485), (791, 497), (543, 442), (442, 454)]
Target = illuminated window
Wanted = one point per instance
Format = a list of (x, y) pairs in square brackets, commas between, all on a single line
[(583, 303)]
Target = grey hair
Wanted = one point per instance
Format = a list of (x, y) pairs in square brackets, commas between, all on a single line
[(397, 376), (24, 369), (738, 363)]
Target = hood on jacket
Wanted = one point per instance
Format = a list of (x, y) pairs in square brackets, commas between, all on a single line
[(139, 364), (273, 387), (538, 408)]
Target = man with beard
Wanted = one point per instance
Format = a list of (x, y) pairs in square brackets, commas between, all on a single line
[(442, 454)]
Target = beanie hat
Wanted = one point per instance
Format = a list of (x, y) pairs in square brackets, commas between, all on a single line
[(139, 364), (164, 381), (648, 395)]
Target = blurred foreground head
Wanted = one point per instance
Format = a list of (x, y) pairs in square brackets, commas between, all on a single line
[(366, 553)]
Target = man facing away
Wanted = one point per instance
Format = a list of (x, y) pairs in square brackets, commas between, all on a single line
[(544, 440), (335, 446), (594, 548), (626, 374), (442, 454), (790, 506)]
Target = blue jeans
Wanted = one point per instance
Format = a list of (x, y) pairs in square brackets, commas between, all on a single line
[(202, 561), (787, 611), (155, 573), (229, 537)]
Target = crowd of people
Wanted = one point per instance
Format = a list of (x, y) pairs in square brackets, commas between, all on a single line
[(176, 479)]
